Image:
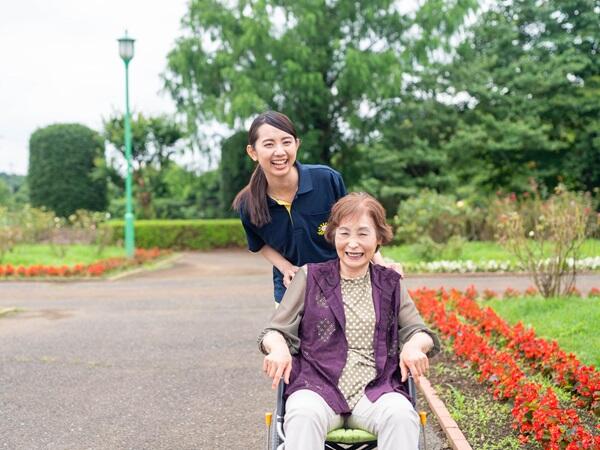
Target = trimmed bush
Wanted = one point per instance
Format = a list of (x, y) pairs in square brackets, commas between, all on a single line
[(436, 216), (61, 162), (184, 234)]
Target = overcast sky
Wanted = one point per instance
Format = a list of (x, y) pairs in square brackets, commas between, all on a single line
[(60, 63)]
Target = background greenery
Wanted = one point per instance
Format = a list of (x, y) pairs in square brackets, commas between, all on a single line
[(439, 112), (571, 321), (184, 234), (61, 161)]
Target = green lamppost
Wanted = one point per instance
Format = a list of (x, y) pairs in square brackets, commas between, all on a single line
[(126, 53)]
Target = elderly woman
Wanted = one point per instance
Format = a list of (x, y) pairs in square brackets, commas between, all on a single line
[(354, 334)]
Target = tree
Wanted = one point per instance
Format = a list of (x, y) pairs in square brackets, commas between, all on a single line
[(529, 75), (407, 155), (154, 143), (235, 168), (61, 162), (5, 194), (325, 64)]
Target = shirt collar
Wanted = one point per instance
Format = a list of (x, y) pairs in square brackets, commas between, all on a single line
[(304, 179)]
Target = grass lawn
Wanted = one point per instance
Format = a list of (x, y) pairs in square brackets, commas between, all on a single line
[(27, 255), (572, 321), (477, 251)]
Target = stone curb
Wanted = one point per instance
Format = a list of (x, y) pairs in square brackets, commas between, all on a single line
[(159, 265), (455, 437)]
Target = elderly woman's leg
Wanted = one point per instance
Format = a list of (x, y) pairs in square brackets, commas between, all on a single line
[(392, 418), (308, 419)]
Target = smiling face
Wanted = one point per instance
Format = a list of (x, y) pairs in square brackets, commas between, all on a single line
[(356, 242), (275, 150)]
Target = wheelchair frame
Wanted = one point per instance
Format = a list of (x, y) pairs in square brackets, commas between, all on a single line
[(276, 436)]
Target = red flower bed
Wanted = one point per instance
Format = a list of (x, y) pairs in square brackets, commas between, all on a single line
[(95, 269), (536, 410), (541, 355)]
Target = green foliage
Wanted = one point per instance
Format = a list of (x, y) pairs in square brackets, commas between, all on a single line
[(154, 143), (153, 139), (14, 192), (476, 251), (185, 234), (569, 320), (236, 168), (5, 194), (322, 63), (209, 198), (476, 413), (45, 254), (10, 233), (61, 162), (529, 79), (406, 153), (427, 250), (432, 215)]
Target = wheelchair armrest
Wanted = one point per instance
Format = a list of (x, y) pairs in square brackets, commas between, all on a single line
[(280, 410), (412, 390)]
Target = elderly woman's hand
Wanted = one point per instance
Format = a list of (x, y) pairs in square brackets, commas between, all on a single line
[(413, 357), (277, 365), (278, 362)]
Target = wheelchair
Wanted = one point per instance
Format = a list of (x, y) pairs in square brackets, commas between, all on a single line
[(341, 438)]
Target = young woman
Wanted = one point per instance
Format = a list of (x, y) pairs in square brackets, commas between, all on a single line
[(355, 334), (285, 206)]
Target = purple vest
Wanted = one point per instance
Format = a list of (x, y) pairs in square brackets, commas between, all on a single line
[(323, 346)]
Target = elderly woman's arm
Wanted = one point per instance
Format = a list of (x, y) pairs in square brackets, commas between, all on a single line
[(280, 338), (417, 343)]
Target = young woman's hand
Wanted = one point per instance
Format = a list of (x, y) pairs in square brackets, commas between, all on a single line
[(395, 267), (288, 275), (413, 360), (277, 365), (378, 259)]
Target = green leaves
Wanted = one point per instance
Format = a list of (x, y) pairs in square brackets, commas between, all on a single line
[(323, 63)]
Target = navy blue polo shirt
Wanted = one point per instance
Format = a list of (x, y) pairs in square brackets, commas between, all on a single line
[(298, 235)]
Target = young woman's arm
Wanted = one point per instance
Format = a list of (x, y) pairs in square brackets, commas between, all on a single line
[(283, 265)]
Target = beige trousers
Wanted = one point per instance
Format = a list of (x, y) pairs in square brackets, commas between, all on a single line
[(392, 418)]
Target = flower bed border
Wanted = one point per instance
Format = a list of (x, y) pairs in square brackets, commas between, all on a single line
[(80, 271)]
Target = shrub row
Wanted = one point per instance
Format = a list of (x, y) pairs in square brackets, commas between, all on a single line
[(184, 234)]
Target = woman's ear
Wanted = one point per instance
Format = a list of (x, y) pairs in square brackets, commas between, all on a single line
[(252, 153)]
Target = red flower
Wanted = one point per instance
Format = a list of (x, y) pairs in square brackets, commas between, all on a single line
[(489, 294), (531, 292)]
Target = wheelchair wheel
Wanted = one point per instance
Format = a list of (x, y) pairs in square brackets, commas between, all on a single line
[(275, 439)]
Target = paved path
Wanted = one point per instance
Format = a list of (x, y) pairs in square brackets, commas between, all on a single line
[(158, 360)]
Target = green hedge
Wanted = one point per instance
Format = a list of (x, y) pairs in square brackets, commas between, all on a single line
[(184, 234)]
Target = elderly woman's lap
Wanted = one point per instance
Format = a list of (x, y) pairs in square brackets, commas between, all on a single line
[(309, 418)]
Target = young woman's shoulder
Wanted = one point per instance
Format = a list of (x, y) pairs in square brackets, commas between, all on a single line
[(321, 170)]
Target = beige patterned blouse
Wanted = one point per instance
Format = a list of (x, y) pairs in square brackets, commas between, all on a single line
[(360, 328)]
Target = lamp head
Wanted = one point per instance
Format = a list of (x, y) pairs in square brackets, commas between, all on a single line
[(126, 48)]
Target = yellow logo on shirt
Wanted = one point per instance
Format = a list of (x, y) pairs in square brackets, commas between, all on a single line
[(322, 229)]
